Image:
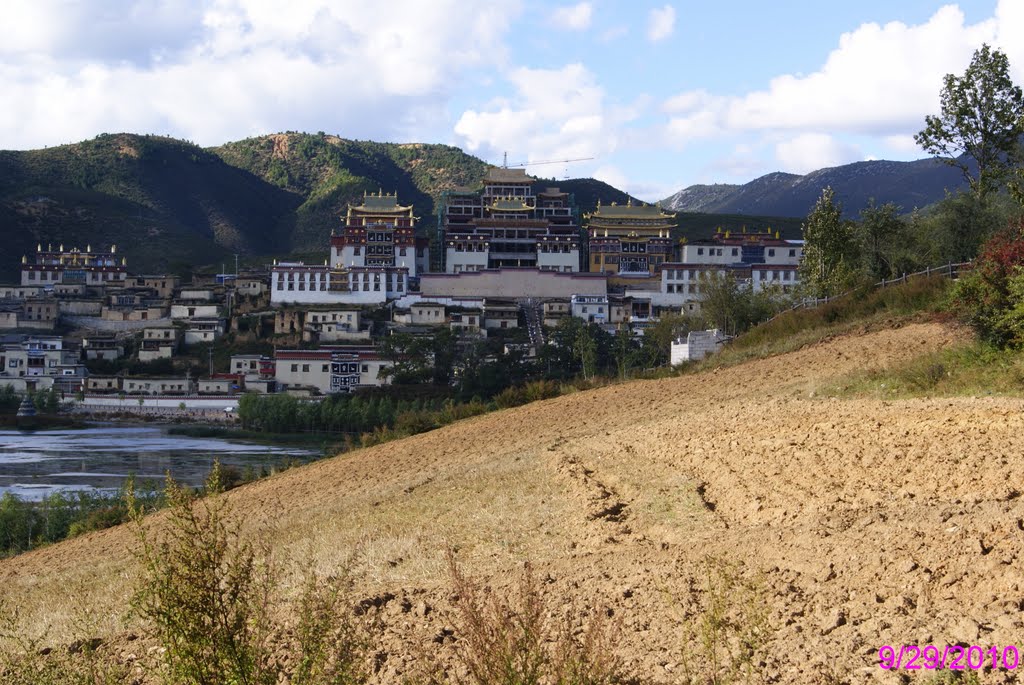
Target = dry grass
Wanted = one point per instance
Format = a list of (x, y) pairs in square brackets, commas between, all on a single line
[(971, 368), (517, 641)]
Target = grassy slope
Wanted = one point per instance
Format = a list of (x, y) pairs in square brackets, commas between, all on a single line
[(919, 299), (968, 368)]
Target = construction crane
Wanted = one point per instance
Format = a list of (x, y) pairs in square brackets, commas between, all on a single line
[(505, 164)]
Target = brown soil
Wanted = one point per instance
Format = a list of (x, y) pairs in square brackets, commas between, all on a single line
[(871, 522)]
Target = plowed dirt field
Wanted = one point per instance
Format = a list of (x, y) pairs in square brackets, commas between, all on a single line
[(867, 522)]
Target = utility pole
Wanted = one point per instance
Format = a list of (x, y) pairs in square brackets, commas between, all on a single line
[(211, 359), (236, 265)]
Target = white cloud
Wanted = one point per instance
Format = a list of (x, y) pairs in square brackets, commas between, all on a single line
[(809, 151), (661, 22), (878, 84), (688, 102), (744, 162), (613, 33), (553, 114), (902, 144), (611, 175), (237, 67), (574, 17), (67, 30), (880, 80)]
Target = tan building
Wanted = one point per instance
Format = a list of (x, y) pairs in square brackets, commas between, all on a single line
[(422, 314), (102, 384), (33, 313), (194, 310), (158, 386), (158, 342), (139, 313), (162, 286), (334, 325), (203, 331), (468, 321), (555, 311), (500, 314), (103, 346)]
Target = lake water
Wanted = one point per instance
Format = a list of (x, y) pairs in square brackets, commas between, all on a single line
[(34, 464)]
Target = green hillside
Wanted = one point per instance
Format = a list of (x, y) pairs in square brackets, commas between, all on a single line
[(161, 200), (167, 202), (324, 173)]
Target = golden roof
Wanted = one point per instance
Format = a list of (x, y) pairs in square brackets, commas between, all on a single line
[(504, 175)]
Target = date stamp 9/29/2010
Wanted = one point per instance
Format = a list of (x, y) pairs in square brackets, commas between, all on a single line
[(951, 657)]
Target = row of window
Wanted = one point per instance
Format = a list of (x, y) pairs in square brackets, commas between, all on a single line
[(321, 318), (777, 275), (341, 367), (56, 276), (735, 251), (357, 251)]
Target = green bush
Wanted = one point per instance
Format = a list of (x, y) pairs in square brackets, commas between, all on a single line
[(510, 397), (990, 298), (207, 593), (726, 641)]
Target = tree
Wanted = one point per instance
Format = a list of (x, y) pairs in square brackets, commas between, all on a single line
[(982, 117), (410, 356), (722, 303), (658, 339), (625, 351), (585, 349), (830, 251), (880, 233)]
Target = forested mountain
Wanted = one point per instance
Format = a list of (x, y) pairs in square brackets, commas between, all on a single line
[(909, 185), (167, 201)]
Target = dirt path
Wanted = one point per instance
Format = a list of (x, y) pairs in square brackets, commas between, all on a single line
[(869, 522)]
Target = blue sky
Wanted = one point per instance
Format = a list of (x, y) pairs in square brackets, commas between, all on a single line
[(661, 95)]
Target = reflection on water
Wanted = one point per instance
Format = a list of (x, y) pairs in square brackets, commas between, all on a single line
[(34, 464)]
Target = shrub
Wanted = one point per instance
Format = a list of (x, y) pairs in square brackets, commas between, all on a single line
[(209, 593), (26, 660), (413, 422), (206, 591), (511, 642), (510, 397), (540, 390), (990, 298), (731, 629), (332, 645)]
